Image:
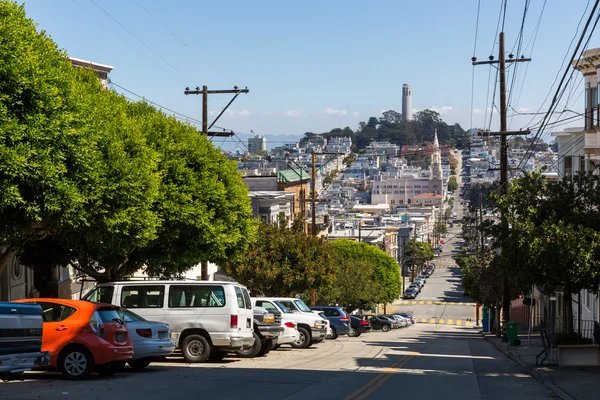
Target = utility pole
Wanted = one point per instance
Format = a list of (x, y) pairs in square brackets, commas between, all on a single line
[(205, 127), (503, 157), (313, 195)]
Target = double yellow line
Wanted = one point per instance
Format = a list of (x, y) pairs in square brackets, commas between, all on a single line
[(364, 391)]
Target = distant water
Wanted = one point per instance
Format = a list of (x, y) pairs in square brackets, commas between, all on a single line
[(233, 142)]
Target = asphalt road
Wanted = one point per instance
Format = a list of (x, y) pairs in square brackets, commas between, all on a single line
[(421, 362)]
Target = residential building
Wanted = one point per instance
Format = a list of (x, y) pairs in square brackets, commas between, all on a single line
[(257, 144), (101, 70)]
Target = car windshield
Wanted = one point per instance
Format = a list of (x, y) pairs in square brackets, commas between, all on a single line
[(301, 306), (283, 308), (130, 316)]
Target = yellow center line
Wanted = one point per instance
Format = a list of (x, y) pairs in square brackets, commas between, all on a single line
[(388, 375), (377, 377)]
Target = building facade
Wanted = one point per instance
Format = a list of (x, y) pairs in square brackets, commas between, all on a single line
[(406, 102), (257, 144)]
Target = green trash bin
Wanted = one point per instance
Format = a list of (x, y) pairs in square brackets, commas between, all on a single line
[(512, 332)]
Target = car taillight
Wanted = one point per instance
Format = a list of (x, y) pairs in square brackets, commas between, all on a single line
[(233, 322), (290, 325), (147, 333), (364, 322), (345, 319)]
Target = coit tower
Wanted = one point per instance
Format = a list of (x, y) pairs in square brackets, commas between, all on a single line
[(406, 103)]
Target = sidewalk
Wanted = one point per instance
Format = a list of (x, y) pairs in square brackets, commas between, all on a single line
[(579, 383)]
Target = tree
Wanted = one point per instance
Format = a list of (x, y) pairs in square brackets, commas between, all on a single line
[(417, 254), (354, 286), (386, 271), (57, 165), (452, 183), (283, 262)]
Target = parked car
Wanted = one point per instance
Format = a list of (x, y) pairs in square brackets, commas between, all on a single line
[(21, 339), (394, 321), (267, 329), (422, 276), (402, 322), (380, 322), (311, 327), (83, 337), (290, 328), (327, 322), (358, 326), (416, 287), (338, 318), (420, 281), (409, 293), (151, 340), (207, 318), (409, 317)]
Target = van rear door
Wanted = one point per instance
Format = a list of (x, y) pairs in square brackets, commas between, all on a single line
[(245, 313)]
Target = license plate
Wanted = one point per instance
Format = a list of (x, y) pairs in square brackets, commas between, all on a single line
[(120, 337)]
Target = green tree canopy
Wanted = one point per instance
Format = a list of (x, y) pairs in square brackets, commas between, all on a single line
[(386, 271), (283, 262)]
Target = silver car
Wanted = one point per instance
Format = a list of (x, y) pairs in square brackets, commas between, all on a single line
[(151, 340)]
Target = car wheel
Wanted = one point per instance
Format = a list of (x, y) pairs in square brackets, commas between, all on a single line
[(333, 335), (217, 355), (109, 369), (76, 362), (195, 349), (385, 328), (304, 341), (138, 365), (266, 348), (252, 351), (352, 332)]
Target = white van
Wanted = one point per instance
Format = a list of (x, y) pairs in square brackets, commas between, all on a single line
[(207, 318)]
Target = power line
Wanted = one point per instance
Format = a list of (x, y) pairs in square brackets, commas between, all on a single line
[(141, 41)]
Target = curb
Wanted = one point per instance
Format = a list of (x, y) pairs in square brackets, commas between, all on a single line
[(543, 377)]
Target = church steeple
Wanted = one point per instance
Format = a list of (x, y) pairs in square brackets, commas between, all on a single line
[(436, 159)]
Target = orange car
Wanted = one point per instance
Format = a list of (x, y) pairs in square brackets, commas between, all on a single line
[(83, 337)]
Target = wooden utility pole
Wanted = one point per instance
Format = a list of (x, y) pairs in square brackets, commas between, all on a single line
[(503, 157), (481, 220), (205, 127)]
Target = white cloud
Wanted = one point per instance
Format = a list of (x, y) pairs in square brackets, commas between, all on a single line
[(356, 114), (232, 113), (337, 113), (442, 110), (477, 111), (292, 113)]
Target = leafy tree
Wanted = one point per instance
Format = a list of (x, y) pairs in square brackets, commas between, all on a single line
[(283, 262), (452, 183), (386, 271), (354, 286), (417, 254)]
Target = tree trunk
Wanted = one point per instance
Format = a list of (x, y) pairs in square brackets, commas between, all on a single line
[(568, 312), (5, 257), (498, 329)]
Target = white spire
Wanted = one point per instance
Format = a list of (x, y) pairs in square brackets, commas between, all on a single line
[(436, 144), (436, 159)]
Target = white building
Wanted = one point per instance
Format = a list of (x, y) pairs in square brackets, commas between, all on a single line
[(257, 144)]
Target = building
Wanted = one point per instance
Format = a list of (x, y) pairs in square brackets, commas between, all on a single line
[(257, 144), (406, 103), (101, 70)]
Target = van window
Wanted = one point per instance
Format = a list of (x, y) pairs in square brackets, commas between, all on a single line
[(240, 297), (142, 296), (101, 294), (247, 298), (183, 296)]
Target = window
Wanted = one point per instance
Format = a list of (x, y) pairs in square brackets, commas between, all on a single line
[(102, 294), (129, 316), (240, 297), (142, 296), (247, 298), (52, 312), (184, 296), (568, 166), (301, 306), (582, 163), (266, 305), (332, 312)]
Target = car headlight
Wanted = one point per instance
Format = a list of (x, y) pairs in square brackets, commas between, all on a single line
[(269, 318)]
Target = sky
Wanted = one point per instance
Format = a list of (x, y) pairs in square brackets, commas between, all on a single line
[(312, 66)]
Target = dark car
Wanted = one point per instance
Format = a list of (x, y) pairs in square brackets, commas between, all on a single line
[(338, 319), (381, 323), (359, 326), (409, 293)]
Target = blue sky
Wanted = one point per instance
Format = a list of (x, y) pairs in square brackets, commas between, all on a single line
[(316, 65)]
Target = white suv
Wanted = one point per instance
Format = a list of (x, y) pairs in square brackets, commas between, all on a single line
[(207, 318), (311, 328)]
